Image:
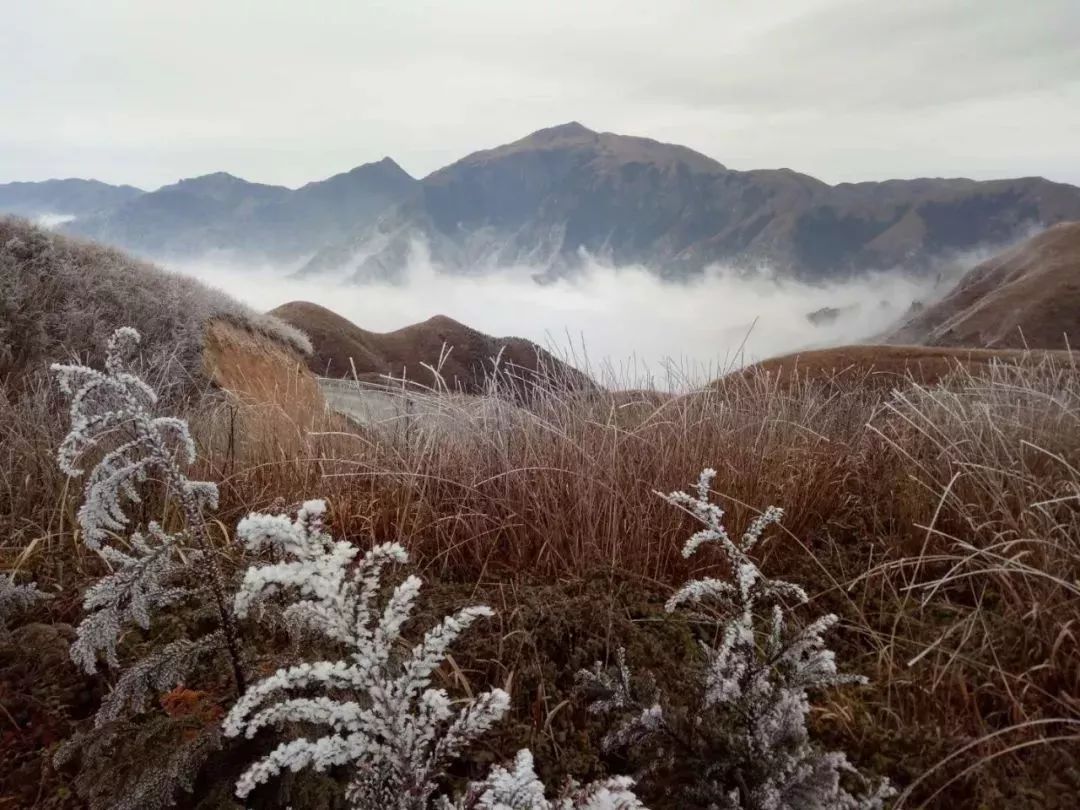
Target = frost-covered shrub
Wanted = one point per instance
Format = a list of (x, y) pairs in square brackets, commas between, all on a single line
[(385, 722), (15, 598), (113, 425), (386, 725), (520, 788), (112, 420), (743, 743), (111, 413)]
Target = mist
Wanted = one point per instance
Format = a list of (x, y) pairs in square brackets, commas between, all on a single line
[(51, 220), (624, 323)]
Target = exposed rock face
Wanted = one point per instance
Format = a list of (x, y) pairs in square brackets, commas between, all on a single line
[(1028, 296), (343, 349), (547, 199)]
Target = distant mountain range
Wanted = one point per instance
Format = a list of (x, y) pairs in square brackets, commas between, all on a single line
[(72, 197), (551, 200), (219, 212)]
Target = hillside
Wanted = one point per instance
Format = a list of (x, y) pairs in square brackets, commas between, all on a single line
[(342, 349), (1027, 296), (880, 367), (61, 299), (71, 197), (543, 200), (220, 212)]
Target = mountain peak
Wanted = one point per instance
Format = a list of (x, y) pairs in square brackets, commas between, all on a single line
[(569, 128), (212, 177), (568, 131), (212, 182)]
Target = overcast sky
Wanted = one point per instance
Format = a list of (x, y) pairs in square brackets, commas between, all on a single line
[(145, 92)]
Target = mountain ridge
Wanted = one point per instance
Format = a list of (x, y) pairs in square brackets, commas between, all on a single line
[(71, 196), (563, 196), (222, 212), (564, 193), (342, 349)]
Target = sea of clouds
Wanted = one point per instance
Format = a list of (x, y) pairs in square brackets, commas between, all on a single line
[(625, 324)]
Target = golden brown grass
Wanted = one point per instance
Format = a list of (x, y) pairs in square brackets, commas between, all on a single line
[(886, 366), (942, 522), (1024, 297)]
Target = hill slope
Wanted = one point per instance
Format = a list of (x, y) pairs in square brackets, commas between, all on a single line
[(882, 366), (1027, 296), (544, 199), (220, 212), (341, 349), (61, 298)]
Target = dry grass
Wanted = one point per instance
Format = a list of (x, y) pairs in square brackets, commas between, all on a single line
[(887, 366), (941, 522), (1024, 297), (61, 298)]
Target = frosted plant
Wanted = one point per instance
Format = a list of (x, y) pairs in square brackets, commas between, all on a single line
[(521, 789), (137, 587), (385, 723), (15, 598), (127, 449), (110, 412), (745, 743), (158, 672), (112, 420)]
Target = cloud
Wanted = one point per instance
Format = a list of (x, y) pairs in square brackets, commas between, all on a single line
[(286, 93), (625, 323)]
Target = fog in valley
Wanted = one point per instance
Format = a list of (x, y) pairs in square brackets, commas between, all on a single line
[(624, 323)]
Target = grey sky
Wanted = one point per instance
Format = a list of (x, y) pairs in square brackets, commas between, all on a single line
[(147, 91)]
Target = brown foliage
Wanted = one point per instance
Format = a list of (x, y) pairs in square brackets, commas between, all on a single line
[(941, 522)]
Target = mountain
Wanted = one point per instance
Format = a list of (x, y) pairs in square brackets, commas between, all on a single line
[(70, 197), (551, 200), (343, 349), (220, 212), (1029, 296), (543, 200)]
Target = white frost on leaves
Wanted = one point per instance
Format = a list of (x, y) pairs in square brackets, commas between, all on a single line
[(383, 718), (137, 586), (15, 598), (111, 415), (751, 742), (112, 421), (519, 788)]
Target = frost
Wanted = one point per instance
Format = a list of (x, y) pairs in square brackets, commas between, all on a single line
[(112, 422), (15, 598), (385, 723), (138, 586), (110, 414), (520, 789), (160, 671), (383, 718), (745, 743)]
